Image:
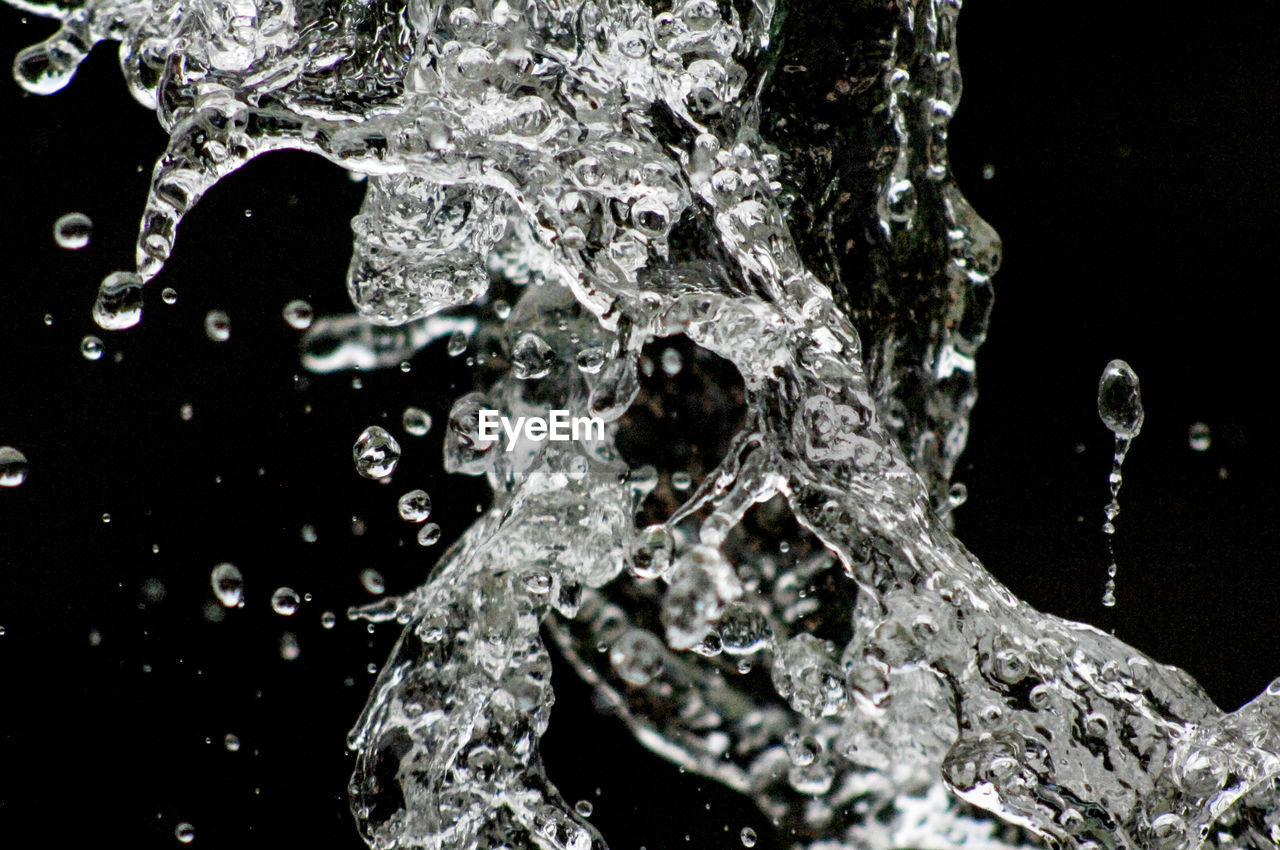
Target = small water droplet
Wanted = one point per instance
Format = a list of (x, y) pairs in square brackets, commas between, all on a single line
[(169, 295), (185, 833), (217, 326), (91, 348), (531, 357), (1199, 437), (328, 620), (13, 467), (583, 808), (298, 314), (308, 534), (231, 742), (285, 601), (1120, 400), (681, 480), (429, 534), (72, 231), (119, 302), (415, 506), (228, 585), (747, 836), (371, 580), (289, 649), (376, 453), (457, 343), (591, 360), (416, 421)]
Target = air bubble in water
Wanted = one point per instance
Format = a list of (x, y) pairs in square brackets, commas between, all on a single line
[(416, 421), (376, 453), (119, 302), (415, 506), (228, 585), (72, 231), (298, 314), (13, 467), (429, 534), (285, 601), (185, 833), (1199, 437), (91, 348), (217, 326)]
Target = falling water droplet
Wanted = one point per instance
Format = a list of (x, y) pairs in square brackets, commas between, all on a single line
[(371, 580), (429, 534), (285, 601), (169, 295), (531, 357), (376, 453), (289, 649), (217, 326), (91, 348), (328, 619), (416, 421), (228, 585), (748, 837), (13, 467), (72, 231), (185, 833), (119, 302), (231, 742), (1199, 437), (591, 360), (1120, 407), (415, 506), (583, 808), (298, 314), (457, 343)]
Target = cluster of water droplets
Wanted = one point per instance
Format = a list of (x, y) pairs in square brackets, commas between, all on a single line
[(798, 623)]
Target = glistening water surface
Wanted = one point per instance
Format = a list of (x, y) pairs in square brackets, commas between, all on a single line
[(784, 611)]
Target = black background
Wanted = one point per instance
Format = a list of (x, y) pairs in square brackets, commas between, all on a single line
[(1134, 184)]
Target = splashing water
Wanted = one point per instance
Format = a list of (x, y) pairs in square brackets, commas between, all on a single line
[(1120, 407), (623, 173)]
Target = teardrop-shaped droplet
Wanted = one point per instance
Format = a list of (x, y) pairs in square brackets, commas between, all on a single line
[(376, 453), (1119, 400), (228, 584), (119, 302)]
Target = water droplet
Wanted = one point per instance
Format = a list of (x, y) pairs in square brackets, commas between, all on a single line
[(531, 357), (1120, 400), (416, 421), (591, 360), (228, 585), (91, 348), (637, 657), (285, 601), (747, 836), (48, 320), (1199, 437), (988, 171), (328, 620), (308, 534), (376, 453), (13, 467), (231, 742), (119, 302), (415, 506), (672, 362), (217, 326), (371, 580), (457, 343), (583, 808), (298, 314), (185, 833), (169, 295), (289, 649), (501, 309), (429, 534), (681, 480), (72, 231), (106, 518)]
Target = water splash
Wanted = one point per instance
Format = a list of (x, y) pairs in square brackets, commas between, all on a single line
[(622, 173), (1120, 407)]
